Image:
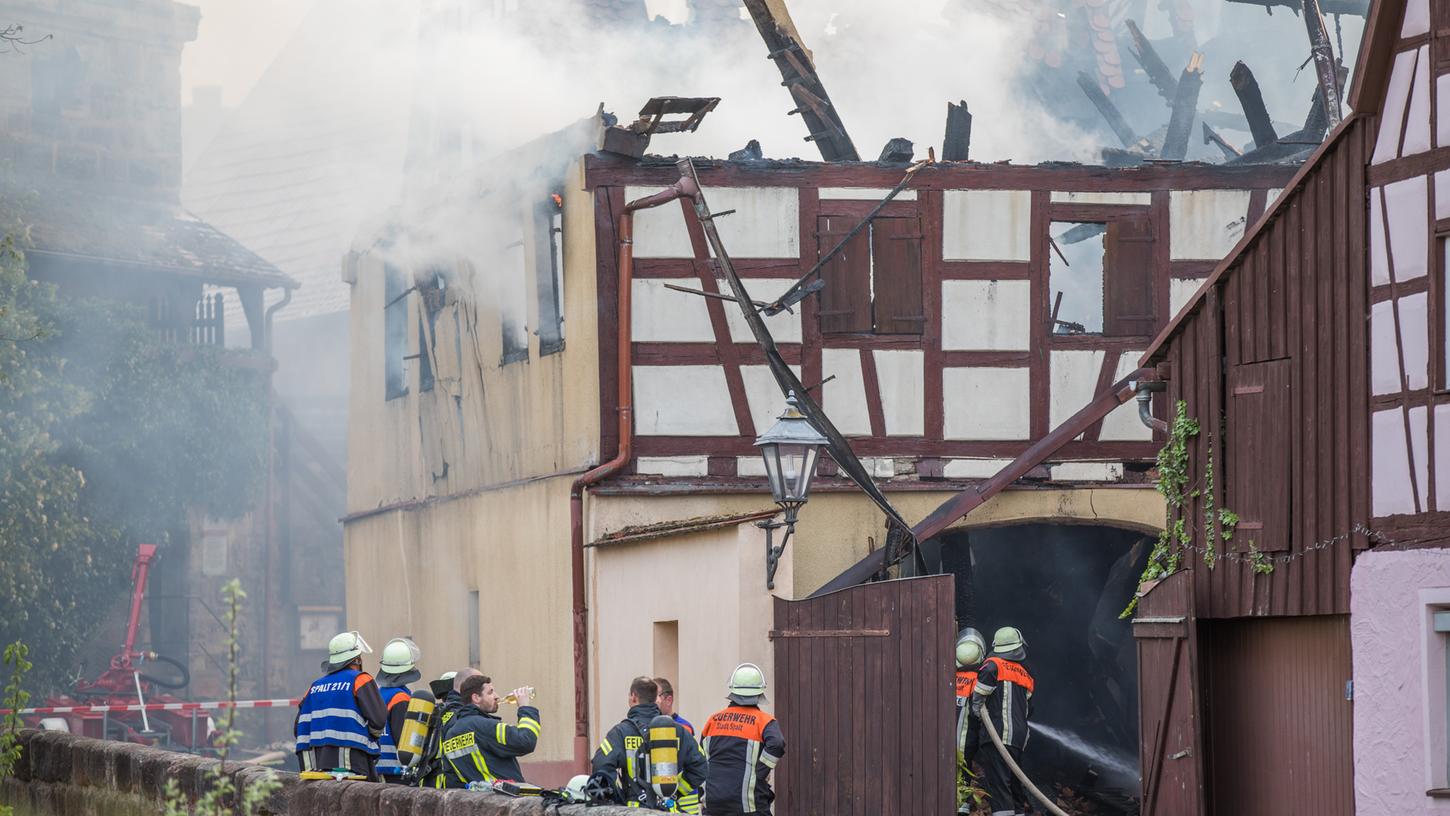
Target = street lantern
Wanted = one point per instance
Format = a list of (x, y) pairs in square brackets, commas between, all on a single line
[(790, 449)]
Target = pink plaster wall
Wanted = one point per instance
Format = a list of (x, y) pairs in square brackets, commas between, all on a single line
[(1388, 630)]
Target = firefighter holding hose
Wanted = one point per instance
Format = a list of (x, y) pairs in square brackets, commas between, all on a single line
[(1003, 692), (971, 648)]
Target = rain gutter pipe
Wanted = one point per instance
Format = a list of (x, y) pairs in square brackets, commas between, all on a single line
[(625, 401)]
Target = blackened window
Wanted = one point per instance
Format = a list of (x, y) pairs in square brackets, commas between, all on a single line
[(432, 290), (873, 285), (395, 331), (549, 272), (513, 304)]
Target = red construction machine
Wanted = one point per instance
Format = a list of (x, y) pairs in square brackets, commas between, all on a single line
[(124, 703)]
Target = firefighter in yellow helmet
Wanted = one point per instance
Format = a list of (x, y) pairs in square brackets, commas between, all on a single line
[(971, 649), (743, 744), (341, 716), (1004, 692), (397, 668)]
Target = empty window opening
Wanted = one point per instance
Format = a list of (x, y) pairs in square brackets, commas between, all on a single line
[(513, 306), (549, 236), (667, 650), (1100, 278), (873, 285), (395, 331), (432, 290), (475, 645)]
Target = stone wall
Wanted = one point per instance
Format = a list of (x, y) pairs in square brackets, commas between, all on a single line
[(64, 775)]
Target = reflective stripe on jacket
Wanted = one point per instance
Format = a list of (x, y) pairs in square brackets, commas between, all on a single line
[(624, 757), (743, 745), (482, 748), (1008, 687), (966, 684), (329, 714), (387, 746)]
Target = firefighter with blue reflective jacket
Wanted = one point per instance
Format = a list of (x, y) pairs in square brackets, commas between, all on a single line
[(397, 668), (626, 763), (480, 747), (743, 745), (342, 715), (1004, 693)]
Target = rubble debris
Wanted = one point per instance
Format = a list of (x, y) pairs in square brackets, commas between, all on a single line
[(1153, 65), (750, 152), (897, 151), (1211, 136), (797, 69), (1252, 100), (1324, 64), (652, 116), (1359, 8), (957, 144), (1185, 107), (1106, 107)]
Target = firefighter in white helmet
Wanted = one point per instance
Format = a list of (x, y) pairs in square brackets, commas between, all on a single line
[(341, 716), (971, 649), (397, 668), (743, 745), (1004, 692)]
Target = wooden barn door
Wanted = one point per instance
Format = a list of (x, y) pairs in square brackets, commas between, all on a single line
[(1170, 732), (864, 692)]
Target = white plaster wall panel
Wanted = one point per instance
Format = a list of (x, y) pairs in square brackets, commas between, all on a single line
[(1139, 199), (1417, 18), (763, 395), (1415, 337), (683, 401), (1087, 472), (1379, 261), (1272, 195), (863, 194), (1442, 456), (1390, 467), (903, 406), (664, 315), (673, 465), (1384, 364), (659, 232), (1205, 224), (1442, 178), (784, 327), (766, 222), (986, 403), (1180, 290), (1405, 205), (749, 466), (1074, 375), (845, 397), (987, 225), (1417, 125), (880, 467), (1397, 95), (1442, 123), (973, 468), (1122, 423), (987, 315)]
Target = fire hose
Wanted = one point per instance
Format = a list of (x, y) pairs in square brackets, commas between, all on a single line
[(1017, 770)]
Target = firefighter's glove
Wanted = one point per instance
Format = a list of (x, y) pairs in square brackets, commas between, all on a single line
[(978, 701)]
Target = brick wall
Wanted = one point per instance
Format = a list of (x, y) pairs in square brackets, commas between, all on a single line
[(65, 775)]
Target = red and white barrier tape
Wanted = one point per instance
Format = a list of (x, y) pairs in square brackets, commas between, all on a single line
[(102, 709)]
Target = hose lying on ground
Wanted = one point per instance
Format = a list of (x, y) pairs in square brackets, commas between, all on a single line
[(1017, 771)]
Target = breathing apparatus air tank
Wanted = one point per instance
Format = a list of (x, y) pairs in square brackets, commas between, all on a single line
[(412, 741), (664, 756)]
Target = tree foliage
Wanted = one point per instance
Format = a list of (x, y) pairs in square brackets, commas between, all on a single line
[(109, 434)]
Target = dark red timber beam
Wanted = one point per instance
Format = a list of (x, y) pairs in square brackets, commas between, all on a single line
[(973, 497)]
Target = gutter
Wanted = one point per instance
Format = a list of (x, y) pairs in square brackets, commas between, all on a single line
[(269, 529), (625, 406)]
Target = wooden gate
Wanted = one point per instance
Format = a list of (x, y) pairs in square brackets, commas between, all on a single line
[(864, 693), (1168, 707)]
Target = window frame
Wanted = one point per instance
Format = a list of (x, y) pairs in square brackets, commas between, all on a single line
[(1105, 215), (395, 331), (549, 282), (1439, 289), (871, 255)]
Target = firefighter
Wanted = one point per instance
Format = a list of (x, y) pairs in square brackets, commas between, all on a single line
[(971, 648), (397, 668), (480, 747), (666, 702), (1004, 691), (342, 715), (436, 773), (624, 756), (743, 745)]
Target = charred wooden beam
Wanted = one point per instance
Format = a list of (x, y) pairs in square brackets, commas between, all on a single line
[(1324, 64), (1211, 136), (1316, 124), (1106, 107), (1185, 108), (750, 152), (1356, 7), (897, 151), (1157, 70), (957, 145), (798, 71), (1252, 100)]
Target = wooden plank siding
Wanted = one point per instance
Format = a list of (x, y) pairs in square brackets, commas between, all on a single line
[(1295, 298)]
